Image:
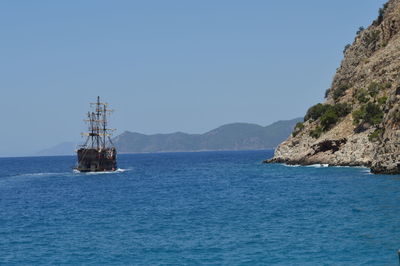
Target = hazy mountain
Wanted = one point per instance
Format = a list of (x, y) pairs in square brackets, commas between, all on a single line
[(65, 148), (236, 136)]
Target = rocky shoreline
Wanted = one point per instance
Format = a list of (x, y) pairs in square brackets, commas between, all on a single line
[(359, 122), (379, 170), (305, 163)]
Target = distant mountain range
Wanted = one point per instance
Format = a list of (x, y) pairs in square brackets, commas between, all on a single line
[(236, 136), (65, 148)]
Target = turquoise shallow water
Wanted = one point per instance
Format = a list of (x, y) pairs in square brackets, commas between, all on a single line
[(196, 208)]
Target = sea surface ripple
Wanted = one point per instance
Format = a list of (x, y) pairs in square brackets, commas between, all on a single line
[(196, 208)]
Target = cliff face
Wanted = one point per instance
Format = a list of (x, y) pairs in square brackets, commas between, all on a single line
[(359, 123)]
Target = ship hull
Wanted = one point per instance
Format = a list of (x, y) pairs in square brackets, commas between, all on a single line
[(93, 160)]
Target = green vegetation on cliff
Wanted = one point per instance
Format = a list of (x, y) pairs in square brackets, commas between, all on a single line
[(340, 92), (370, 113), (298, 128), (326, 116), (376, 135)]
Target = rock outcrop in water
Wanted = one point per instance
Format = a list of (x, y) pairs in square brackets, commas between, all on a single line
[(359, 123)]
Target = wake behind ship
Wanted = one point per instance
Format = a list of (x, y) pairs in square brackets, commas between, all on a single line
[(98, 153)]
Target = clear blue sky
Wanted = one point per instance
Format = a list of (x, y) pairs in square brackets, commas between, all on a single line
[(165, 66)]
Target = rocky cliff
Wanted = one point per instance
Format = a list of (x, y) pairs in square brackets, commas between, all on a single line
[(359, 123)]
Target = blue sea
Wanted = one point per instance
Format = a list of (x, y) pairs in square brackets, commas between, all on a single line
[(196, 208)]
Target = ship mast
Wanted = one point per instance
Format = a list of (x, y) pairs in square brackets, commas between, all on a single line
[(98, 133)]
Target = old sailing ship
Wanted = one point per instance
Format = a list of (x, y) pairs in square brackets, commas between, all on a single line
[(98, 152)]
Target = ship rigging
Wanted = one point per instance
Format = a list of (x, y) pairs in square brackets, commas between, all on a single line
[(98, 153)]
